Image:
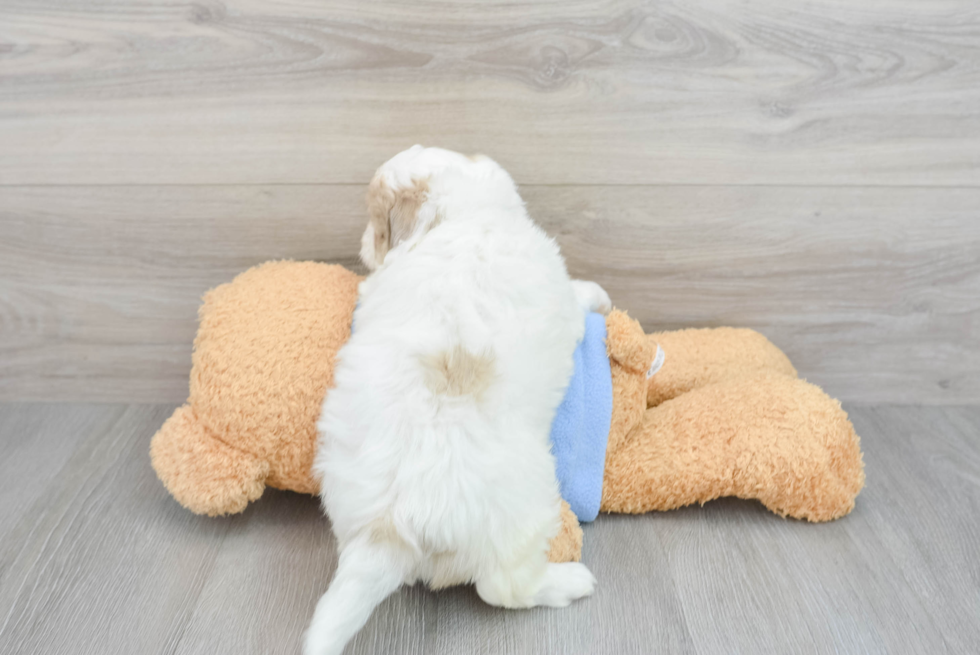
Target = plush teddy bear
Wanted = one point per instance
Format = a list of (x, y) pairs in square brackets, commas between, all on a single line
[(693, 415)]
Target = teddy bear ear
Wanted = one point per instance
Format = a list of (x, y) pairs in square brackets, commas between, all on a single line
[(626, 343)]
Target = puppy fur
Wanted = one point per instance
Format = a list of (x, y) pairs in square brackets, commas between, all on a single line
[(434, 456)]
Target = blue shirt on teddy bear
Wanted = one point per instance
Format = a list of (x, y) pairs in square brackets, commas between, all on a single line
[(580, 431)]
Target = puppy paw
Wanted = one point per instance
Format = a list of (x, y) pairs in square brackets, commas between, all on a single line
[(591, 297), (564, 583)]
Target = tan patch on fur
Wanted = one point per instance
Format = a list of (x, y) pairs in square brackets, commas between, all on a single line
[(458, 372), (394, 212), (440, 217), (382, 531)]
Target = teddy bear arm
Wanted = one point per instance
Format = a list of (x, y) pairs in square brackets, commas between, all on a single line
[(630, 355), (204, 474)]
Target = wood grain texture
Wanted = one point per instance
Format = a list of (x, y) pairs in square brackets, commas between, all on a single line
[(99, 558), (99, 287), (614, 92), (103, 561), (874, 293)]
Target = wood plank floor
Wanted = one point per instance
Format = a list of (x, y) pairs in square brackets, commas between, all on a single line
[(96, 558)]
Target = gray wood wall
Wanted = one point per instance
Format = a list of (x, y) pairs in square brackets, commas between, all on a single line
[(755, 164)]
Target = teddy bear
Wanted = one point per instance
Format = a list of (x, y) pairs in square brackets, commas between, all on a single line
[(692, 415)]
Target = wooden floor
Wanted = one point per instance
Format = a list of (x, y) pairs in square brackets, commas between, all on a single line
[(96, 558)]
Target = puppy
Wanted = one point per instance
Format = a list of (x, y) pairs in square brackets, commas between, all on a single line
[(434, 457)]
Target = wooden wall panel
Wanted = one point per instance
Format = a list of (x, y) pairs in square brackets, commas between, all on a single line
[(614, 92), (873, 292)]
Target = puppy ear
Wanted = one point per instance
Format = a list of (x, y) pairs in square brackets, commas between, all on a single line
[(394, 212), (380, 200), (404, 214)]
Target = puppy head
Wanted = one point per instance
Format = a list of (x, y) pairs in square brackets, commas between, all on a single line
[(406, 197)]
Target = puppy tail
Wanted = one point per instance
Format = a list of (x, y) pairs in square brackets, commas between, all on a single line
[(369, 571)]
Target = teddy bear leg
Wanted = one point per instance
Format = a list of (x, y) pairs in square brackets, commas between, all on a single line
[(567, 544), (204, 474), (697, 357), (771, 437)]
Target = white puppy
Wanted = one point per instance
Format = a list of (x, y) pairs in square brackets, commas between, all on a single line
[(434, 454)]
